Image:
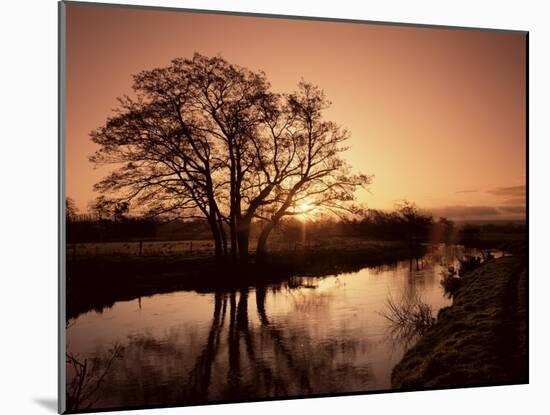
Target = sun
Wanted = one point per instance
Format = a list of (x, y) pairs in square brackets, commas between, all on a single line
[(306, 211)]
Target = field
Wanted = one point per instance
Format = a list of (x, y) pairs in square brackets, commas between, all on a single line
[(198, 248), (194, 248)]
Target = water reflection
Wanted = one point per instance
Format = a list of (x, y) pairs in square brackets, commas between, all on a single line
[(304, 336)]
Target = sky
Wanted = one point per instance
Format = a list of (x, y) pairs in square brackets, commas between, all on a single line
[(437, 115)]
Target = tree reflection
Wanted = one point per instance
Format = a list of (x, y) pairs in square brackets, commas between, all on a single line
[(201, 373), (242, 349), (244, 354)]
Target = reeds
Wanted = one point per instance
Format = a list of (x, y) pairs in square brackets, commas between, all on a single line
[(409, 317)]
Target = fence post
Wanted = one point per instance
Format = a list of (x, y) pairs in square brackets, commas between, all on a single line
[(140, 247), (191, 247)]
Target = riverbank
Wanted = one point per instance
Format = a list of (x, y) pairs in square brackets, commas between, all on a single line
[(481, 339), (96, 282)]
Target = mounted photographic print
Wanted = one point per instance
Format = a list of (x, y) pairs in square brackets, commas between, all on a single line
[(259, 207)]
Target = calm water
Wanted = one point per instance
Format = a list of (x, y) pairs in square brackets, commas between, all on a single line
[(304, 336)]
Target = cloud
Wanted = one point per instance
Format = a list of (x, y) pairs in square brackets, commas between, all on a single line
[(514, 201), (508, 191), (513, 209), (467, 191), (465, 212)]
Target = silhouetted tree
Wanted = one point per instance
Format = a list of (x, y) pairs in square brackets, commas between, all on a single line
[(109, 209), (70, 209), (444, 231), (317, 177), (120, 209), (101, 208), (204, 138), (416, 225)]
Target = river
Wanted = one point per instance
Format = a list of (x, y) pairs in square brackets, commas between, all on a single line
[(307, 335)]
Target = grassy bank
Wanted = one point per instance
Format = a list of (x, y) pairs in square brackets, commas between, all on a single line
[(97, 281), (480, 339)]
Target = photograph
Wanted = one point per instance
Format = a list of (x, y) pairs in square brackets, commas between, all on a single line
[(261, 207)]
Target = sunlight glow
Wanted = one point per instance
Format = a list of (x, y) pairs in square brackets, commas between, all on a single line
[(306, 211)]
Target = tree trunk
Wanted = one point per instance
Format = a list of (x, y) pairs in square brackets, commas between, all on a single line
[(223, 237), (221, 230), (214, 219), (243, 246), (217, 238), (233, 236), (243, 236), (261, 249)]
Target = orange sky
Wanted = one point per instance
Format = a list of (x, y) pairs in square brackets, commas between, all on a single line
[(437, 115)]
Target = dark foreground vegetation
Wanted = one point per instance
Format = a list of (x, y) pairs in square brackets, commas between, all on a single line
[(481, 339)]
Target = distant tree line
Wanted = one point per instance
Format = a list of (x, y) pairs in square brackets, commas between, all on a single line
[(510, 237), (105, 221), (405, 223), (108, 221)]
